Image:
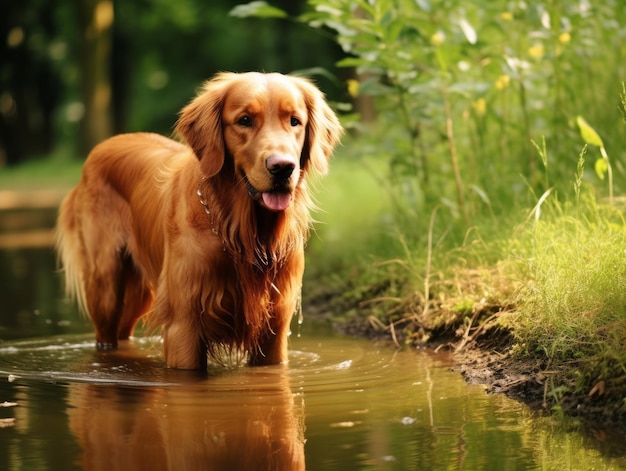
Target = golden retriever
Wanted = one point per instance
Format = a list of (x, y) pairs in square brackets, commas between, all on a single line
[(207, 237)]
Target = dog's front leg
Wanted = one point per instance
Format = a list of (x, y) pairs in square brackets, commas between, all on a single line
[(272, 349), (183, 347), (273, 345), (182, 344)]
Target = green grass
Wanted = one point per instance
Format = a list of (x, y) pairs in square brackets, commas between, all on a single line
[(352, 207), (56, 171), (355, 230), (573, 302)]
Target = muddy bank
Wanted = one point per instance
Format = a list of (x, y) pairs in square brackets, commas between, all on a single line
[(553, 389), (484, 353), (548, 388)]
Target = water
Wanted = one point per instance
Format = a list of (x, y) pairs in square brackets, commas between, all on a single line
[(340, 404)]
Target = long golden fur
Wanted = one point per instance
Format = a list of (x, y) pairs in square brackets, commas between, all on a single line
[(207, 237)]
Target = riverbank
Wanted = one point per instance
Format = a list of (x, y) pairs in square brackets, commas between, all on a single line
[(530, 302), (485, 351)]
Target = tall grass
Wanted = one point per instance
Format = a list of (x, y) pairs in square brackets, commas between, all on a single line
[(574, 295)]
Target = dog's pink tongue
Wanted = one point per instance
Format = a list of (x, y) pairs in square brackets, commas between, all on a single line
[(276, 201)]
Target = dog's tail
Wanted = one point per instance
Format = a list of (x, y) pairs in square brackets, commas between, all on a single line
[(70, 251)]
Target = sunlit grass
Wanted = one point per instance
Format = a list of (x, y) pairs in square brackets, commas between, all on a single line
[(349, 197), (354, 233), (353, 222), (554, 278), (56, 171), (573, 303)]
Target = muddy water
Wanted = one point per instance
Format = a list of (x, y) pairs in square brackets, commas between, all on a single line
[(340, 404)]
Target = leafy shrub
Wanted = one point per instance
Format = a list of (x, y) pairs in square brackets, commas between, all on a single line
[(463, 89)]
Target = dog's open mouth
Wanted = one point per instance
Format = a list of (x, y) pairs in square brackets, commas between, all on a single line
[(274, 200)]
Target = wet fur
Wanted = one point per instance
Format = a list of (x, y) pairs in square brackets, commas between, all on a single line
[(134, 239)]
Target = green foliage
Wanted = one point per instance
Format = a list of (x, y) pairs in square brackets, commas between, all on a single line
[(172, 47), (592, 138), (160, 53), (258, 10), (589, 135), (463, 89)]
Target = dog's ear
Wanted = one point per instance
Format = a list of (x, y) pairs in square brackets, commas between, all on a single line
[(200, 124), (323, 129)]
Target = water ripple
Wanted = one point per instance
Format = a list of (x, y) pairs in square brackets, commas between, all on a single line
[(322, 366)]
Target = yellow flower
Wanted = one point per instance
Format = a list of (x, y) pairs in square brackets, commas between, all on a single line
[(437, 38), (503, 82), (480, 106), (353, 87), (564, 38), (536, 51), (507, 16)]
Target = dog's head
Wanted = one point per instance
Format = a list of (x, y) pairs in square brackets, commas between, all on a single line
[(274, 127)]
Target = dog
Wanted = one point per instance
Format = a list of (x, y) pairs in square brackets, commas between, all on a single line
[(204, 234)]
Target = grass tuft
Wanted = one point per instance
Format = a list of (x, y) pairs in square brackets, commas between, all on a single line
[(575, 290)]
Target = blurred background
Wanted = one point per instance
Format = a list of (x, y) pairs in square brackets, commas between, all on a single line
[(75, 72)]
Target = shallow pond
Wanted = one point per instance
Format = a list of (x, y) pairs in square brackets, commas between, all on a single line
[(340, 404)]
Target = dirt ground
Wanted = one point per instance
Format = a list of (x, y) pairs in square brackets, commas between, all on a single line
[(546, 388)]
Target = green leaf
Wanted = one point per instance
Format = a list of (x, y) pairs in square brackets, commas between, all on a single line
[(317, 71), (622, 104), (589, 135), (482, 194), (394, 29), (601, 167), (352, 62), (542, 150), (257, 10)]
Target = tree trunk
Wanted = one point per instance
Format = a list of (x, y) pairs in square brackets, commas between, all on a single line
[(95, 20)]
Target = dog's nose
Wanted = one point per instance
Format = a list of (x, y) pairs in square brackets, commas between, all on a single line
[(281, 167)]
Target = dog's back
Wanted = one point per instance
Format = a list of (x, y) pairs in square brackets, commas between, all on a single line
[(98, 235)]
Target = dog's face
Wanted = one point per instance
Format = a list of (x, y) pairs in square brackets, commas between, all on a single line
[(264, 126), (273, 127)]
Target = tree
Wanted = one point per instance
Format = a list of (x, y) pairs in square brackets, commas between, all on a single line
[(95, 24)]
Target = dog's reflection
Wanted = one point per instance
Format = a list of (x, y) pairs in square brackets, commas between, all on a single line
[(247, 419)]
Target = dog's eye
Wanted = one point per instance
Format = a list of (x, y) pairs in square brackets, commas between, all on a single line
[(245, 121), (295, 121)]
